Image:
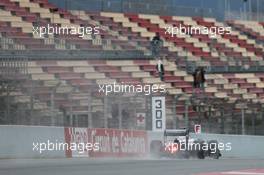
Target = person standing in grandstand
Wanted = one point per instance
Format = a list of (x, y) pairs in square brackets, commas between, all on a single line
[(155, 45), (202, 78), (194, 78), (199, 78), (160, 69), (156, 37)]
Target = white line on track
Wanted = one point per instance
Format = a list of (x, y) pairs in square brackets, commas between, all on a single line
[(242, 173)]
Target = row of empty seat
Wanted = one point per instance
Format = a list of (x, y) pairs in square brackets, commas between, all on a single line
[(195, 47), (75, 82), (127, 32), (21, 16), (72, 87)]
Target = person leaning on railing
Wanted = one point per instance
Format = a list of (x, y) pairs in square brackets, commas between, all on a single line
[(160, 69), (156, 43)]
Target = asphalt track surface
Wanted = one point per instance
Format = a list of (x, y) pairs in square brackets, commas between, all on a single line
[(84, 166)]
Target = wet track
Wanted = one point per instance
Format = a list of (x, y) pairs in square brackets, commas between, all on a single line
[(122, 166)]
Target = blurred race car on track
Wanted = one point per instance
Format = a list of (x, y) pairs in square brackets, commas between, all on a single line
[(177, 144)]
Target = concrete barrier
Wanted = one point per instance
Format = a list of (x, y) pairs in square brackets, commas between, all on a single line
[(27, 142), (242, 146), (111, 142), (17, 141)]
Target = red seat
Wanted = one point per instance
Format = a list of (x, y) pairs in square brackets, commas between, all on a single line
[(69, 76), (130, 80), (81, 82), (107, 69), (170, 79), (57, 69), (237, 80), (256, 90), (119, 74), (148, 68)]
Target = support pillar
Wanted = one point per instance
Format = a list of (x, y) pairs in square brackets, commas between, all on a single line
[(105, 112), (186, 118), (243, 121), (119, 113), (90, 117)]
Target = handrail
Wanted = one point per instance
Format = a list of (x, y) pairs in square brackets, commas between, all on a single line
[(72, 54)]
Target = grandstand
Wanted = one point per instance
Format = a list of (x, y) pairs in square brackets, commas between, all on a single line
[(64, 92)]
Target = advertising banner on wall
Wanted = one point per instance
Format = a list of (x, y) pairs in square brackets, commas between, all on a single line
[(141, 119), (197, 129), (76, 140), (102, 142), (158, 114)]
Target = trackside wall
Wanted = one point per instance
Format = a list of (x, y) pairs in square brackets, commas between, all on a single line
[(110, 142), (20, 141), (245, 146), (17, 142)]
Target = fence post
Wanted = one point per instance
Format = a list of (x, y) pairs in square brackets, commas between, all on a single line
[(119, 113), (174, 114), (90, 119), (209, 119), (222, 124), (186, 114), (245, 10), (8, 105), (52, 106), (105, 112), (32, 92), (253, 123), (148, 121), (262, 115), (243, 121), (71, 110)]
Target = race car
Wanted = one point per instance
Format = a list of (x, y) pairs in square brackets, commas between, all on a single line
[(177, 144)]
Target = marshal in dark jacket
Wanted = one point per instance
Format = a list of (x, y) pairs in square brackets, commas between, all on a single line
[(161, 70)]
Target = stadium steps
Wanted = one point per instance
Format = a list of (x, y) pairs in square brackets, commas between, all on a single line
[(114, 37), (215, 88), (240, 41), (154, 19), (194, 22), (24, 19), (203, 40), (20, 32), (65, 18), (252, 29), (47, 16), (9, 43), (149, 79), (228, 47), (236, 86), (142, 32), (73, 79)]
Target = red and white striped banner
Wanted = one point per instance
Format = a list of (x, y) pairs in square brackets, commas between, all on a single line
[(237, 172), (111, 142)]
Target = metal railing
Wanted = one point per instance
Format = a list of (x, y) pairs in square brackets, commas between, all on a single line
[(119, 110), (190, 67), (239, 15), (205, 8), (72, 54), (147, 7)]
